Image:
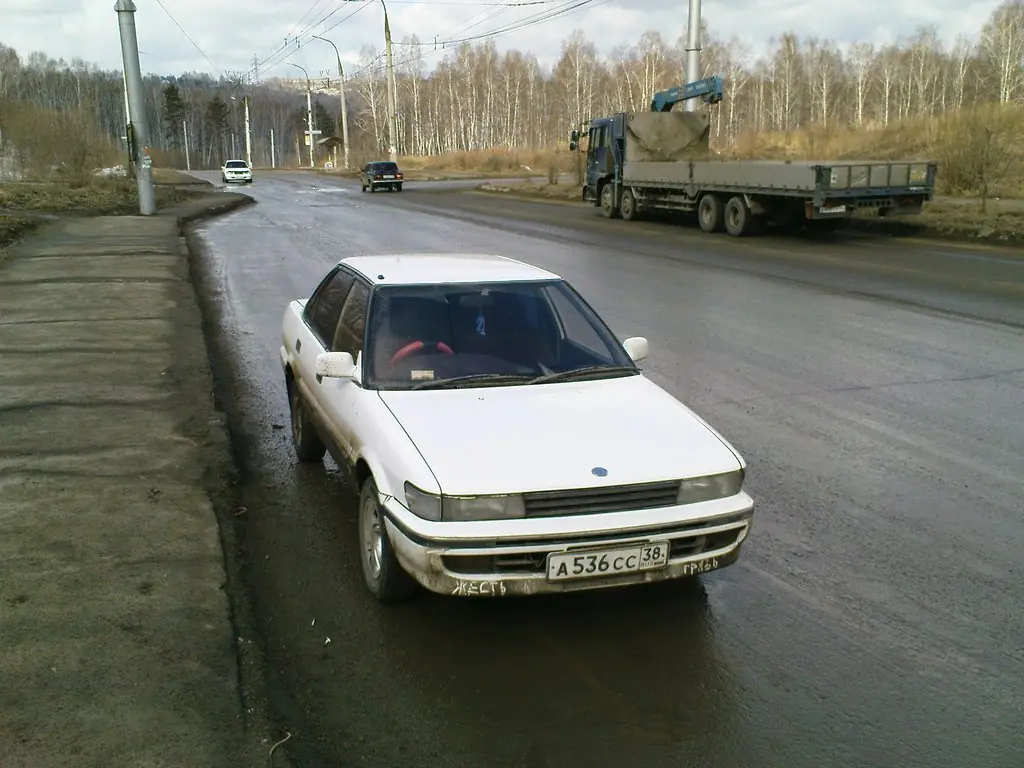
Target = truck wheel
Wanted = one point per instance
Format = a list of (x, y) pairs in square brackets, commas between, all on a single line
[(608, 202), (739, 221), (628, 205), (381, 570), (308, 445), (711, 213)]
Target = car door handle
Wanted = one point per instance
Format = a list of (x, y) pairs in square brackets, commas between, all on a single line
[(298, 345)]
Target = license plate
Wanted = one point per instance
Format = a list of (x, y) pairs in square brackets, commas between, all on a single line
[(833, 209), (595, 563), (389, 177)]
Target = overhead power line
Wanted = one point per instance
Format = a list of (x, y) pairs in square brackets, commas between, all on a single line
[(189, 37)]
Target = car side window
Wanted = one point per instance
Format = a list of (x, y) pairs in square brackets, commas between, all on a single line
[(352, 327), (326, 304)]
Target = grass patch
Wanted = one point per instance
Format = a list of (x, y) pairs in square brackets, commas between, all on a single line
[(100, 197), (957, 218), (537, 190), (13, 228)]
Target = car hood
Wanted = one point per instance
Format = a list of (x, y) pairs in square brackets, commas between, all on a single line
[(550, 436)]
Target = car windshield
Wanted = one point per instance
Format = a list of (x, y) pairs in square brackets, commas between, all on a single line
[(488, 334), (236, 164)]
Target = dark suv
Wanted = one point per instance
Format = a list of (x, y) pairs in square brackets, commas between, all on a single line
[(381, 173)]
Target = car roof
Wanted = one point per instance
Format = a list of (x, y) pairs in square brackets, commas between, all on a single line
[(235, 161), (444, 268)]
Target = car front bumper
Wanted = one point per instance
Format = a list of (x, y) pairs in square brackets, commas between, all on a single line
[(463, 562), (244, 177)]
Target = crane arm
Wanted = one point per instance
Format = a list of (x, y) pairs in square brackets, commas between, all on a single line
[(710, 90)]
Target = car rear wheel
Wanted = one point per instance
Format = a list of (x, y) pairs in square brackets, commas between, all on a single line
[(382, 572), (308, 445), (398, 187)]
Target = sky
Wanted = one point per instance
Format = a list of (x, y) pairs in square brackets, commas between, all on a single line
[(226, 35)]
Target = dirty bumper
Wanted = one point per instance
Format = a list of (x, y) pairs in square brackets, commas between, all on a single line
[(569, 562)]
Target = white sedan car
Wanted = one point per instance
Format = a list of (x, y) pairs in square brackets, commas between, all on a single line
[(502, 439), (236, 171)]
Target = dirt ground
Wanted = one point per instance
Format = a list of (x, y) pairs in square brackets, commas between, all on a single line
[(119, 622)]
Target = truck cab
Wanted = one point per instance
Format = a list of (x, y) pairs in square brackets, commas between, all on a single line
[(604, 153)]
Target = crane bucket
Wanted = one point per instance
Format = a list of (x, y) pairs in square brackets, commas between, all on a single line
[(667, 136)]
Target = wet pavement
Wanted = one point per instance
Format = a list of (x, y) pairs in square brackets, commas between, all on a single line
[(876, 617)]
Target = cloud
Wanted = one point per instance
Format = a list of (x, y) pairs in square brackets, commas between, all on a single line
[(232, 32)]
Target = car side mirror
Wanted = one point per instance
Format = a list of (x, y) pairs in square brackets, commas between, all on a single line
[(335, 365), (636, 347)]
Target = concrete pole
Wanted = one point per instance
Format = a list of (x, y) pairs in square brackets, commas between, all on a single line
[(693, 51), (248, 136), (392, 103), (341, 89), (273, 159), (136, 105), (184, 133), (309, 119)]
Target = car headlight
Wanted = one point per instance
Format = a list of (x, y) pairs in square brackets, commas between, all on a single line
[(430, 506), (710, 487), (482, 508)]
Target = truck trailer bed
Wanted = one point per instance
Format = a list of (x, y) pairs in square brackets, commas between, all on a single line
[(836, 178)]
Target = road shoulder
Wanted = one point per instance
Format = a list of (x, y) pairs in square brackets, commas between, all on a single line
[(118, 616)]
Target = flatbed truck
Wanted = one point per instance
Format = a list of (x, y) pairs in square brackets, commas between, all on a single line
[(659, 161)]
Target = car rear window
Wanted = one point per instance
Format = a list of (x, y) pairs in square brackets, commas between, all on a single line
[(385, 167)]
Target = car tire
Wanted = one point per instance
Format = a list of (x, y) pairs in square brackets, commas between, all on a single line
[(398, 187), (383, 574), (307, 443)]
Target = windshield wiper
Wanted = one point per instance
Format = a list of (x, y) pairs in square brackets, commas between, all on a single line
[(589, 370), (473, 378)]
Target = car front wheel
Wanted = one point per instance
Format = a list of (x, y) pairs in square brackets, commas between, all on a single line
[(381, 570), (307, 443)]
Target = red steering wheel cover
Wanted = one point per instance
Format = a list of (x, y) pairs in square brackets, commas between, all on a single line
[(416, 346)]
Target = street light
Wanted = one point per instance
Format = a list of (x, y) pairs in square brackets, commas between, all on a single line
[(341, 87), (309, 112), (392, 104)]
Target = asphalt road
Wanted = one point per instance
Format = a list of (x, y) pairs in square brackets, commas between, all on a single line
[(876, 618)]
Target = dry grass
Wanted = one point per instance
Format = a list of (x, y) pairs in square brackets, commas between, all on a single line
[(99, 197), (47, 144), (969, 146)]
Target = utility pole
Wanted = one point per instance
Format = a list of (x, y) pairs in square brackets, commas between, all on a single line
[(392, 104), (273, 160), (309, 114), (693, 51), (341, 89), (184, 133), (136, 105), (248, 138)]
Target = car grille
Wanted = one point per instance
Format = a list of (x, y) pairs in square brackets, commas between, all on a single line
[(691, 542), (617, 498)]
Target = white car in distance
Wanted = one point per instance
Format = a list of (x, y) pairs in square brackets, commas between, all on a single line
[(502, 439), (236, 170)]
